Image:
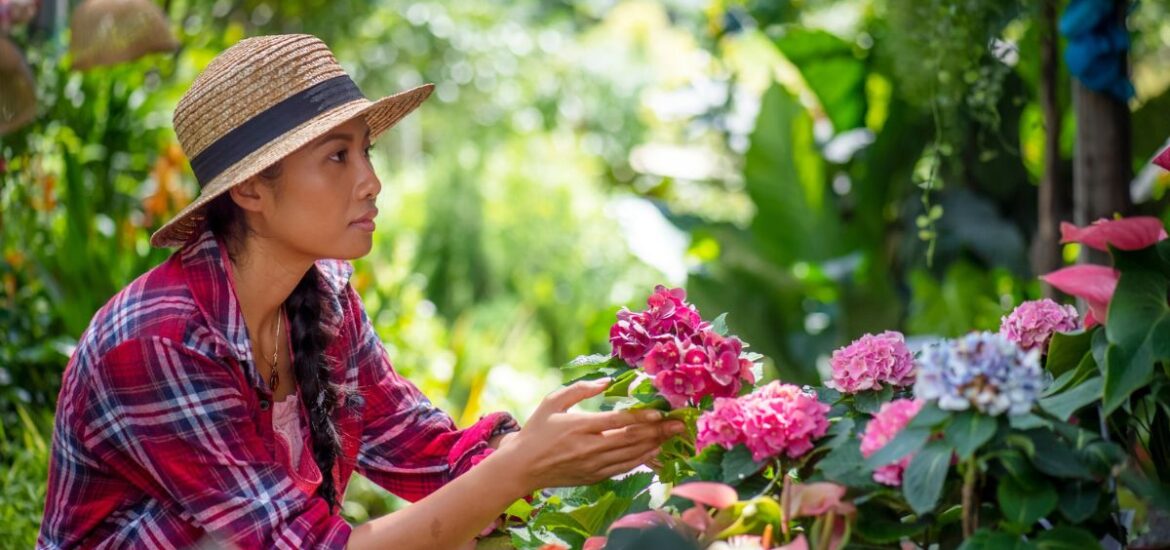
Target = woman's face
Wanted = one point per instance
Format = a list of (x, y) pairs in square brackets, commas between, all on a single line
[(322, 204)]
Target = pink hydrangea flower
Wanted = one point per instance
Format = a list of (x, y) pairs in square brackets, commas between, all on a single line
[(871, 361), (636, 333), (890, 419), (686, 359), (773, 420), (1032, 324), (782, 418), (722, 426)]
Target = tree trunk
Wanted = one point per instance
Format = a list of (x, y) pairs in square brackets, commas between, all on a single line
[(1055, 189), (1101, 162)]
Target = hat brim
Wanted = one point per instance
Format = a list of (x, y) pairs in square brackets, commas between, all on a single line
[(380, 115)]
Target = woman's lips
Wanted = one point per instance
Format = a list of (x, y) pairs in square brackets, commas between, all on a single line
[(365, 225)]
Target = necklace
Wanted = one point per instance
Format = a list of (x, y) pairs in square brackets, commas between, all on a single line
[(274, 378)]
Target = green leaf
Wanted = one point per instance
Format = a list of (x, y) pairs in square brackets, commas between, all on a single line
[(738, 465), (620, 386), (832, 71), (929, 416), (1022, 506), (870, 401), (923, 479), (1066, 538), (1078, 500), (844, 464), (878, 524), (1052, 456), (984, 539), (969, 431), (1065, 351), (1139, 324), (594, 517), (909, 440), (719, 324), (1063, 405), (595, 360)]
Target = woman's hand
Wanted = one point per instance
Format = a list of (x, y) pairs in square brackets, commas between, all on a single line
[(558, 448)]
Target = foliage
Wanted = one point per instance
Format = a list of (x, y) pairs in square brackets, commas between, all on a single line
[(992, 444)]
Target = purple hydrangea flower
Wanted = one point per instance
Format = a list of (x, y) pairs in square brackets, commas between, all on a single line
[(983, 370)]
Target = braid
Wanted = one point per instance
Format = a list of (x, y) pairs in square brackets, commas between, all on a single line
[(318, 392)]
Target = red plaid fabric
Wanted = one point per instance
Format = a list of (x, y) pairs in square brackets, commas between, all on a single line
[(163, 435)]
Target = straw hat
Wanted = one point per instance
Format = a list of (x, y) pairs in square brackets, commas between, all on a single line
[(258, 101)]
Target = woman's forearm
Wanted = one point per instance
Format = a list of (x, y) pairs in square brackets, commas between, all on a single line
[(452, 515)]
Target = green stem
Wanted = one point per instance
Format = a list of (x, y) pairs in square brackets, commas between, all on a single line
[(970, 506)]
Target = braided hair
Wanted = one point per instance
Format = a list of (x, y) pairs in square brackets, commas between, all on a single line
[(319, 393)]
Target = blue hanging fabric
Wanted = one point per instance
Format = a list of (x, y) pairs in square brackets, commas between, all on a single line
[(1097, 40)]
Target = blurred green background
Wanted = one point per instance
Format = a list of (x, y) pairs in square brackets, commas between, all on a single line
[(818, 168)]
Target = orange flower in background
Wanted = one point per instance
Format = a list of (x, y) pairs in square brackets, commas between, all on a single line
[(169, 194)]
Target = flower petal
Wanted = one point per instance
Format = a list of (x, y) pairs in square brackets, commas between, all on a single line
[(1163, 159), (642, 520), (814, 499), (594, 543), (1126, 234), (717, 495), (1094, 283)]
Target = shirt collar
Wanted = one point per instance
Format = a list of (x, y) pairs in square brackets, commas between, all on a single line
[(205, 265)]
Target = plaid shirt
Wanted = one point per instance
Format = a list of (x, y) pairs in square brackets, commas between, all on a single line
[(164, 437)]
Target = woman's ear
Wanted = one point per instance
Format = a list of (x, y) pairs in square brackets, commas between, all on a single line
[(249, 195)]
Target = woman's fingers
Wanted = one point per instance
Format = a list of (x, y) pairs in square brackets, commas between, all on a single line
[(636, 433), (621, 455), (623, 467), (560, 400), (602, 421)]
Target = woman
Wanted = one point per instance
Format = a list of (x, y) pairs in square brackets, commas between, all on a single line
[(225, 397)]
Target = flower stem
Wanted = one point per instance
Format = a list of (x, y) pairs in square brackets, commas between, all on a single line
[(970, 506)]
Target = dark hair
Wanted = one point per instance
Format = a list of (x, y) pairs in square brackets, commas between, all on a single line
[(318, 391)]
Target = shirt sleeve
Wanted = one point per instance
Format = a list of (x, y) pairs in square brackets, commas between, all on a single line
[(410, 447), (175, 424)]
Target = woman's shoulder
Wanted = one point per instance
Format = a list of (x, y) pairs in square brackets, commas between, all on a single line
[(157, 304)]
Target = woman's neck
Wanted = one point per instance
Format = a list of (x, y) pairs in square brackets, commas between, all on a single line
[(264, 279)]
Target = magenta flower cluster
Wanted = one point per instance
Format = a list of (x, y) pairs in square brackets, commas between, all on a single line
[(774, 419), (687, 359), (890, 419), (871, 361), (1032, 324)]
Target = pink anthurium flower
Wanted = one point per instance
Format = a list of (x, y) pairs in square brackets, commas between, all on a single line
[(814, 499), (1163, 159), (643, 520), (714, 494), (594, 543), (1093, 283), (1126, 234)]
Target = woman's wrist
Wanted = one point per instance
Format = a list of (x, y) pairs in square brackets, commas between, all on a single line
[(508, 469)]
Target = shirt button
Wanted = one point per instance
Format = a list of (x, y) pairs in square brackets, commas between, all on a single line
[(264, 404)]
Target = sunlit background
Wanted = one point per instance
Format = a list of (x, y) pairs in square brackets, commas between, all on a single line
[(818, 168)]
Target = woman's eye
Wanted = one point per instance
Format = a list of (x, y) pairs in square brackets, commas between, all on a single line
[(338, 156)]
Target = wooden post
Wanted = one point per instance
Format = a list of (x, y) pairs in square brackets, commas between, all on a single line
[(1055, 203), (1102, 160)]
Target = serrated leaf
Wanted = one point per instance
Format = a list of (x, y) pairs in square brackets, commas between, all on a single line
[(985, 539), (870, 401), (968, 431), (909, 440), (923, 480), (594, 360), (1063, 405), (719, 324), (1064, 537), (738, 465), (1023, 507), (1078, 500), (929, 416)]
